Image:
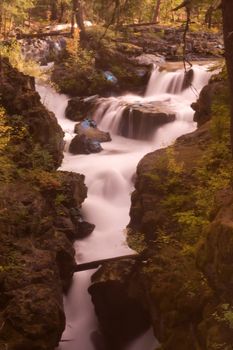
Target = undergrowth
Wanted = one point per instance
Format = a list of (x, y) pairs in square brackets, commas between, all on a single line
[(13, 52)]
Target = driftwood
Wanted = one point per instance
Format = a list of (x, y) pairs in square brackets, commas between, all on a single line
[(95, 264), (42, 35)]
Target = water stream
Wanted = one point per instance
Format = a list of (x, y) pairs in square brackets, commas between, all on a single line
[(109, 177)]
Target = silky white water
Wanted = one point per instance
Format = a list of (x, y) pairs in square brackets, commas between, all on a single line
[(109, 178)]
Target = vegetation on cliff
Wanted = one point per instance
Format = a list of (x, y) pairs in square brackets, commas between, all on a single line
[(181, 214), (180, 220), (39, 218)]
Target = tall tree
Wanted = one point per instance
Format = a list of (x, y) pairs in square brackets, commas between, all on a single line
[(54, 10), (77, 14), (227, 14), (156, 12)]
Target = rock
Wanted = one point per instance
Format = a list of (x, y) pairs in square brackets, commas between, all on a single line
[(147, 59), (88, 139), (44, 50), (139, 121), (109, 76), (79, 108), (122, 316), (83, 145), (40, 218), (188, 79), (19, 97), (90, 130), (203, 105), (38, 271), (85, 228)]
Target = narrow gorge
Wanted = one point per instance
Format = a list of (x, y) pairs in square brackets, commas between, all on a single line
[(109, 176), (116, 175)]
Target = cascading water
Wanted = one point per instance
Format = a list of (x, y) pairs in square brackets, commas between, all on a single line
[(109, 179)]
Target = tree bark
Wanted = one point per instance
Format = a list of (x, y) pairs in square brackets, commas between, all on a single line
[(78, 14), (208, 16), (156, 12), (54, 10), (62, 11), (227, 13)]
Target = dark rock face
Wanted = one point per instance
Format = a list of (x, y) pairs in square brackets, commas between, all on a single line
[(37, 260), (140, 121), (122, 316), (80, 108), (156, 39), (189, 296), (188, 79), (39, 219), (203, 105), (19, 97)]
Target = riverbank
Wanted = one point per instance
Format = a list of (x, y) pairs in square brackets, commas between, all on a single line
[(39, 218), (127, 55), (181, 224)]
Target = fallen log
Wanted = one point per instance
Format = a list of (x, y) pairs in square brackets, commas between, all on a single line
[(95, 264), (41, 35)]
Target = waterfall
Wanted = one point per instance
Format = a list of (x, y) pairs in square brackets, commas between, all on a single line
[(134, 116), (109, 177)]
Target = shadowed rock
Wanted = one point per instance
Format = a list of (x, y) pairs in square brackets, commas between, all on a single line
[(79, 108), (122, 317), (139, 121), (81, 144)]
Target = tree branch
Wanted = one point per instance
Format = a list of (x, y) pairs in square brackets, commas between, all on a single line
[(185, 3)]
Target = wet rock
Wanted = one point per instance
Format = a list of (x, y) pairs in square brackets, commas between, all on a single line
[(188, 79), (89, 129), (81, 144), (139, 121), (109, 76), (203, 106), (85, 228), (79, 108), (122, 316)]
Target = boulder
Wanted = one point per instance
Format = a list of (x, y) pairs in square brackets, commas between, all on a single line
[(203, 105), (89, 129), (79, 108), (122, 316), (81, 144), (147, 59), (139, 121)]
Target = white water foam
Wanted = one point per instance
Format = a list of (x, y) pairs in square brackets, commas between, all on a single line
[(109, 179)]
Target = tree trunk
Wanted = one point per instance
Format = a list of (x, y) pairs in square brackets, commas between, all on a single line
[(227, 11), (208, 16), (78, 14), (156, 12), (62, 11), (54, 10)]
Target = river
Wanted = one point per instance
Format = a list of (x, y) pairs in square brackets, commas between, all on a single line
[(109, 178)]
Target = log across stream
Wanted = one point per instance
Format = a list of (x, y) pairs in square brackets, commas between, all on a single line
[(109, 178)]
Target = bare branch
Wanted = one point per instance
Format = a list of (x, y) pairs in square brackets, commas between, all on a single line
[(183, 4)]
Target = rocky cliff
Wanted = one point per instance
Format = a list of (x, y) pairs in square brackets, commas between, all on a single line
[(181, 224), (39, 218)]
